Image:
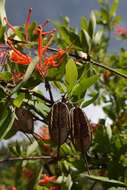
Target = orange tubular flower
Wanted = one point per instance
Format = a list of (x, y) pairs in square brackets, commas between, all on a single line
[(20, 58), (53, 59), (47, 179)]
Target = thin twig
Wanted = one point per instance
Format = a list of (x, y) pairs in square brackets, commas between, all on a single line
[(27, 158), (48, 87)]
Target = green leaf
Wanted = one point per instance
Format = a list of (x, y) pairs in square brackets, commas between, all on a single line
[(3, 118), (104, 180), (80, 88), (2, 31), (6, 123), (75, 40), (100, 1), (19, 99), (122, 71), (92, 24), (5, 75), (114, 7), (88, 102), (83, 23), (71, 74), (65, 34), (59, 85), (97, 38), (85, 40)]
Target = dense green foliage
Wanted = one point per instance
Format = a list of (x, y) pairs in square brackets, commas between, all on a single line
[(87, 74)]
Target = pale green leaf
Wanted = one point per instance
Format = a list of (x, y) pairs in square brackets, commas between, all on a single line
[(71, 74), (83, 23), (104, 180), (19, 99), (80, 88), (114, 7), (92, 24)]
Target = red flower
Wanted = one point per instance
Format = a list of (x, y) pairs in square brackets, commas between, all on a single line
[(20, 58), (43, 133), (52, 61), (120, 31), (47, 179)]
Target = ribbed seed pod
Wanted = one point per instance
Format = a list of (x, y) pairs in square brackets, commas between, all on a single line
[(24, 121), (80, 129), (59, 122)]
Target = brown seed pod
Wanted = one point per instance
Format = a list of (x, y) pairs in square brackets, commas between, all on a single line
[(24, 121), (59, 122), (80, 129)]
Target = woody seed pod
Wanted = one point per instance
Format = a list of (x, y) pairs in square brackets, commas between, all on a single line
[(59, 122), (80, 129), (24, 121)]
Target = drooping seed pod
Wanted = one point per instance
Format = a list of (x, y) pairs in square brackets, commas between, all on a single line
[(24, 121), (59, 123), (80, 129)]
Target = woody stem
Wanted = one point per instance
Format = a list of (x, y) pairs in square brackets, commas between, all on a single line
[(83, 61), (25, 158)]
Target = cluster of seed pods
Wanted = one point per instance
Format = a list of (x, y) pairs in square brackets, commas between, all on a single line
[(73, 123)]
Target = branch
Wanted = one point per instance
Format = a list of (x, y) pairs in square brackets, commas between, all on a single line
[(48, 87), (88, 59), (27, 158), (27, 91), (108, 68)]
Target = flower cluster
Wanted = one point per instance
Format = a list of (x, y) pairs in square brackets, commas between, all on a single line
[(45, 61), (46, 179)]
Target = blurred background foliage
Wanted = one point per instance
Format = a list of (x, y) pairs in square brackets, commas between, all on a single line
[(83, 82)]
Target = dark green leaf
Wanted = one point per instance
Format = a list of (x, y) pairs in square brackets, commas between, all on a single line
[(6, 123), (85, 41), (65, 34)]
